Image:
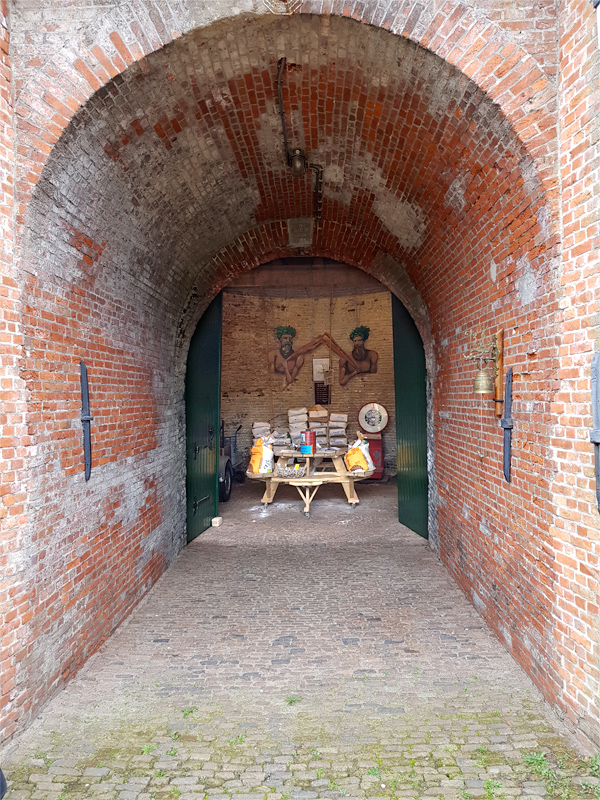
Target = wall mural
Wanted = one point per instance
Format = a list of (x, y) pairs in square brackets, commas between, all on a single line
[(362, 360), (288, 362)]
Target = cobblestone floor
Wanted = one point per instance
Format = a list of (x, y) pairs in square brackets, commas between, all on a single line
[(294, 659)]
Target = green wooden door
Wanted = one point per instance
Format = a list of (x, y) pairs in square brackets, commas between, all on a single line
[(202, 411), (411, 420)]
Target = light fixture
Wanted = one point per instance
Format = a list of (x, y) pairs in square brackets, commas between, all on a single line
[(295, 158), (298, 163)]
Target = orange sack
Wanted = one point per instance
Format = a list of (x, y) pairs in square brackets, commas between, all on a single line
[(261, 458)]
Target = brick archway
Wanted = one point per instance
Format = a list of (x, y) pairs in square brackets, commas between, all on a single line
[(171, 178), (381, 265)]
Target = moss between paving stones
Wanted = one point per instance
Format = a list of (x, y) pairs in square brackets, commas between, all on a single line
[(455, 756)]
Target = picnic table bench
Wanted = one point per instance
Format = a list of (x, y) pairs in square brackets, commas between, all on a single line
[(317, 473)]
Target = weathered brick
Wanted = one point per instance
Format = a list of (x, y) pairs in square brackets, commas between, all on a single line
[(461, 155)]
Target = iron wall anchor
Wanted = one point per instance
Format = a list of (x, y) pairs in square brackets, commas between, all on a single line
[(595, 432), (86, 420), (506, 424)]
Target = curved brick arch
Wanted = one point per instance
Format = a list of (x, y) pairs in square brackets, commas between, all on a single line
[(272, 239), (54, 85), (457, 33), (272, 245), (124, 214)]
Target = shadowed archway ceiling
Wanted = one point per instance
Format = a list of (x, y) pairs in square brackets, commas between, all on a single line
[(181, 154)]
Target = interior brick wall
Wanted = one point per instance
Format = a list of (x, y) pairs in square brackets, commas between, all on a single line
[(146, 181), (249, 392)]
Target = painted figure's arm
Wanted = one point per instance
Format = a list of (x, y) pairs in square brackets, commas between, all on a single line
[(306, 348), (295, 366), (345, 375)]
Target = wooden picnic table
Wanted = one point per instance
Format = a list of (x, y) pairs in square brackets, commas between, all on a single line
[(316, 475)]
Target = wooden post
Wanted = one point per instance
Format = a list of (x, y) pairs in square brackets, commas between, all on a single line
[(499, 381)]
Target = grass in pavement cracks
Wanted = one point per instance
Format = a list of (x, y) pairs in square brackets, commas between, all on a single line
[(568, 779), (293, 699)]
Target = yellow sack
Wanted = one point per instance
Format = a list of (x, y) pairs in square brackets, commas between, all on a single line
[(358, 458), (355, 460)]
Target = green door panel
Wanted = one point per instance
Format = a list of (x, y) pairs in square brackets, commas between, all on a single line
[(411, 420), (202, 412)]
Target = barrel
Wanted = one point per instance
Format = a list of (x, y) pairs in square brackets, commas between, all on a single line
[(308, 443)]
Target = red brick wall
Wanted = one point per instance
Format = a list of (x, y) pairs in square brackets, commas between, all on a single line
[(95, 547), (441, 179), (575, 528), (14, 608)]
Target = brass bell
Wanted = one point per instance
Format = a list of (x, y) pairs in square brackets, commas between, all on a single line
[(484, 383)]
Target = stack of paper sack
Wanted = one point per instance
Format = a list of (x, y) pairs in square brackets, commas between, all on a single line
[(317, 422), (260, 430), (281, 439), (298, 419), (337, 430)]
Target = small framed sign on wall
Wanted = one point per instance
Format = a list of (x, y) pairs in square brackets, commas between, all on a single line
[(320, 367), (322, 393), (321, 370)]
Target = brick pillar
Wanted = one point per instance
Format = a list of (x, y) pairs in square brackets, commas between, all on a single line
[(13, 612), (577, 523)]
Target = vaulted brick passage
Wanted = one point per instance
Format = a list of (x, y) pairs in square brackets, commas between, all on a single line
[(170, 182)]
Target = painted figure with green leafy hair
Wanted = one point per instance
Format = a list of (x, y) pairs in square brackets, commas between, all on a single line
[(287, 361), (361, 360)]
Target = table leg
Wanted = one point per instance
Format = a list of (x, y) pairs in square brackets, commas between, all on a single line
[(339, 464), (347, 481), (270, 491), (349, 491), (307, 496), (352, 496), (311, 497), (304, 497)]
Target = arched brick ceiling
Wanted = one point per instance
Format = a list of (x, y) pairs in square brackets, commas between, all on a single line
[(182, 154)]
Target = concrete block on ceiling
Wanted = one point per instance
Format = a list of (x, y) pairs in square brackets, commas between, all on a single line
[(300, 231)]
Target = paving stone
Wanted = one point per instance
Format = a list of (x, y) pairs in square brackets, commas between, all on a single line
[(244, 737), (57, 769), (46, 795)]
